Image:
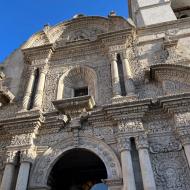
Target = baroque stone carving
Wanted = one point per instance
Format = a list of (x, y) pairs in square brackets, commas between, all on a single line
[(124, 143), (141, 141), (171, 171), (82, 52), (164, 144), (130, 126), (43, 166), (21, 140)]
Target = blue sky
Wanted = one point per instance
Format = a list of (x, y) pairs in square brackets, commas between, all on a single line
[(19, 19)]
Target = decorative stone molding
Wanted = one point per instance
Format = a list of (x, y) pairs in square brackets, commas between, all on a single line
[(22, 140), (42, 168), (75, 105), (28, 155), (182, 119), (164, 145), (130, 126), (141, 142), (77, 77), (112, 56), (124, 143), (11, 156)]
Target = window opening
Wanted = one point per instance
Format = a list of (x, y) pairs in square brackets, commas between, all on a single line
[(34, 89), (136, 165), (81, 91), (121, 75)]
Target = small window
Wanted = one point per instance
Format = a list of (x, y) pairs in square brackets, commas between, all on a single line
[(81, 91)]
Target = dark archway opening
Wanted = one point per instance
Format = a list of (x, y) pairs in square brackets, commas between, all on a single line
[(78, 169)]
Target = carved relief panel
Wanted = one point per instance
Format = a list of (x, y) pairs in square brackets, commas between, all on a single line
[(171, 171)]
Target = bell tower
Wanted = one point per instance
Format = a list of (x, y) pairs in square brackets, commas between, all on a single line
[(148, 12)]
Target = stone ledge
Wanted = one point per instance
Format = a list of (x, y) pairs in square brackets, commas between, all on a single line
[(75, 105)]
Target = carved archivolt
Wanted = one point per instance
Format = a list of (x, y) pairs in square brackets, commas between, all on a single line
[(77, 77), (44, 165)]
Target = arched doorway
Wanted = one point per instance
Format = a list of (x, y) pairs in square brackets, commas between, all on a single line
[(78, 169)]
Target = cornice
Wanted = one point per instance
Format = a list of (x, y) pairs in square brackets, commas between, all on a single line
[(38, 53), (175, 103), (162, 27), (128, 110), (27, 122), (164, 67)]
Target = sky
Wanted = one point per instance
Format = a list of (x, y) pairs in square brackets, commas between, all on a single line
[(19, 19)]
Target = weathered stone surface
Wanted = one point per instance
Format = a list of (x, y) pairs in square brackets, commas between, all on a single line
[(137, 89)]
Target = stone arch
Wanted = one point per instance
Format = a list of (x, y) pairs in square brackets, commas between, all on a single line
[(42, 168), (77, 76)]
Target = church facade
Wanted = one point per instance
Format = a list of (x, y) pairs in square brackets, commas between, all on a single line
[(100, 103)]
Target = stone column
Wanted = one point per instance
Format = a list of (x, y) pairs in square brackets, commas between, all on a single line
[(28, 91), (126, 162), (40, 88), (9, 173), (23, 175), (129, 85), (145, 163), (115, 75), (27, 157)]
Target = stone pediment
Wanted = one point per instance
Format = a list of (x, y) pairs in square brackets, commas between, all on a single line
[(79, 29), (36, 40)]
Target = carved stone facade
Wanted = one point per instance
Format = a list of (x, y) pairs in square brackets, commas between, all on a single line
[(104, 86)]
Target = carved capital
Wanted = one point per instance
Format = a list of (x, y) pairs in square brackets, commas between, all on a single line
[(112, 57), (124, 143), (44, 69), (141, 142), (124, 55), (28, 155), (11, 157)]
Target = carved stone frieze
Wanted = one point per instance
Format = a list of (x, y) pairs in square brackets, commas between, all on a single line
[(22, 140), (182, 119), (81, 55), (158, 124), (129, 126), (164, 144), (51, 139), (171, 171)]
